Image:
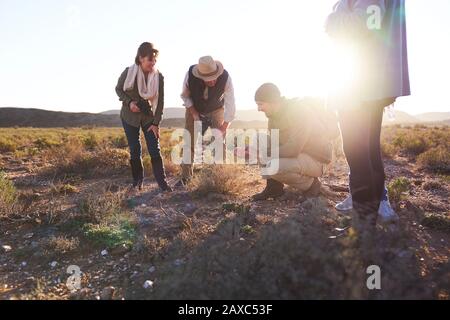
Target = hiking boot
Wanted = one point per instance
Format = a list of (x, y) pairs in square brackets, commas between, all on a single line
[(274, 189), (137, 171), (314, 190), (160, 175)]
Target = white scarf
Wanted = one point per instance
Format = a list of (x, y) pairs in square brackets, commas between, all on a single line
[(149, 91)]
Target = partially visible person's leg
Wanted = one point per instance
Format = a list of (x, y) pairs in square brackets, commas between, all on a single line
[(217, 118), (289, 173), (355, 128), (187, 168), (375, 151), (298, 172), (134, 143), (156, 159)]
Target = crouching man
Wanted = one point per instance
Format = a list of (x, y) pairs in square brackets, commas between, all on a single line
[(304, 148)]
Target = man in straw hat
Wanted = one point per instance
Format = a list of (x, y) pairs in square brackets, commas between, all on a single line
[(208, 96)]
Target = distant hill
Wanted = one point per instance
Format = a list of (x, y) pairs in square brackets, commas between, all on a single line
[(433, 116), (173, 118), (12, 117), (177, 113), (400, 118)]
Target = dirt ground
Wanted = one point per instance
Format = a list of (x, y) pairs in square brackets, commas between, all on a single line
[(174, 229)]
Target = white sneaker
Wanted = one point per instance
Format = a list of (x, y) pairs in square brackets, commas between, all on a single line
[(345, 205), (386, 213)]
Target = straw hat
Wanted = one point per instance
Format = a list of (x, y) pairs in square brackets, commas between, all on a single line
[(208, 69)]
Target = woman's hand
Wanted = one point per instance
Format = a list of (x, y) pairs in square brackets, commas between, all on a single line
[(134, 108), (155, 130)]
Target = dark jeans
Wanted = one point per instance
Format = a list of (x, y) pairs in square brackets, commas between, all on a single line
[(133, 134), (361, 131)]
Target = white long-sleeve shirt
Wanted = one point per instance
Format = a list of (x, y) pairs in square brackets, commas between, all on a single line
[(229, 103)]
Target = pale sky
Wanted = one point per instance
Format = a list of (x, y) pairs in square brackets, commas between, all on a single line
[(67, 55)]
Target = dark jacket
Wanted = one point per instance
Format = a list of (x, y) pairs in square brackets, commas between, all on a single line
[(139, 119)]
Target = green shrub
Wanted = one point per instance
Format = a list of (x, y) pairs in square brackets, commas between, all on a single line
[(91, 141), (397, 189)]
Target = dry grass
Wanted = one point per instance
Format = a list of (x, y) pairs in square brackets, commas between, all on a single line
[(61, 245), (436, 159), (8, 196), (73, 158), (223, 179)]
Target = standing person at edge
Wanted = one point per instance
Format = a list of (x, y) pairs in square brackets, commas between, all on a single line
[(141, 90), (208, 96), (376, 30)]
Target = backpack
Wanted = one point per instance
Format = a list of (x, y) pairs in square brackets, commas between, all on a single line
[(327, 117)]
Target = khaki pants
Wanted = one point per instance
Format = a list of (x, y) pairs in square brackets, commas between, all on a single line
[(216, 119), (298, 172)]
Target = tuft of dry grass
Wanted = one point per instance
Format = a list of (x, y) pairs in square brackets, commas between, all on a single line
[(223, 179), (7, 145), (8, 196), (61, 245), (436, 159), (73, 158)]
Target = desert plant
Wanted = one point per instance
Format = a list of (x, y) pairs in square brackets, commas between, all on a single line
[(60, 245), (8, 195), (437, 221), (7, 145), (91, 141), (436, 159), (388, 150), (111, 235), (217, 179), (397, 189), (412, 144)]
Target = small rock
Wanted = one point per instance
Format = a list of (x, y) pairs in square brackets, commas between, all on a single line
[(178, 262), (104, 253), (148, 284), (143, 205), (53, 264), (24, 264), (28, 235), (107, 293), (152, 269), (6, 248)]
